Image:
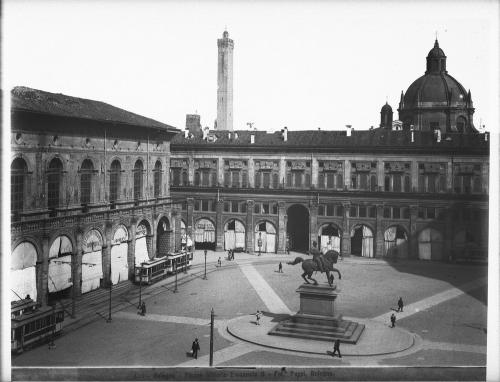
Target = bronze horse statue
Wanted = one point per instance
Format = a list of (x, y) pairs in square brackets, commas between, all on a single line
[(309, 266)]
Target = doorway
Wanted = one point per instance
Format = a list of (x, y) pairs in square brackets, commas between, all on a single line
[(297, 228)]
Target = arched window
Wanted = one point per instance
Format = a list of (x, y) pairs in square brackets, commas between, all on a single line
[(321, 180), (18, 171), (54, 178), (157, 179), (114, 181), (184, 178), (340, 181), (138, 170), (407, 184), (86, 181), (461, 124), (197, 178), (373, 183)]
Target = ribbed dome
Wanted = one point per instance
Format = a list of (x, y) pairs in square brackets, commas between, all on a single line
[(386, 108), (436, 52), (435, 88)]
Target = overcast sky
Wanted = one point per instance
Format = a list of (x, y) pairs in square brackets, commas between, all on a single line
[(298, 64)]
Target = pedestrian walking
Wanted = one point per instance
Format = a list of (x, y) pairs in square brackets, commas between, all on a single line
[(336, 348), (219, 262), (400, 304), (393, 320), (280, 268), (195, 347), (143, 309), (257, 315)]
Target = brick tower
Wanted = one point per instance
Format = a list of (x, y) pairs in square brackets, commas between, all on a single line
[(225, 83)]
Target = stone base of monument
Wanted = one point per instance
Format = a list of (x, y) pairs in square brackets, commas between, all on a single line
[(317, 318)]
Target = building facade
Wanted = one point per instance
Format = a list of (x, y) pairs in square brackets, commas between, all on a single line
[(90, 194)]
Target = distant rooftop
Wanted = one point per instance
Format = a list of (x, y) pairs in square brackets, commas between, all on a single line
[(57, 104), (323, 139)]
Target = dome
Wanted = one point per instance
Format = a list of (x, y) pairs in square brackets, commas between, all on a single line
[(436, 52), (439, 89), (386, 108)]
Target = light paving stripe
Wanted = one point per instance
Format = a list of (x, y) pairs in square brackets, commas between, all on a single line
[(220, 356), (431, 301), (268, 296), (454, 347), (164, 318)]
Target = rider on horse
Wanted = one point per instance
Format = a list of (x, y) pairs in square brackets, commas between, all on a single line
[(318, 258)]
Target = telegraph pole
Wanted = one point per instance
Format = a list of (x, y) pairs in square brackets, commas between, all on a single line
[(175, 263), (212, 337), (110, 290), (205, 277)]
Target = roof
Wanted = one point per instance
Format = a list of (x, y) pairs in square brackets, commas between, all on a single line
[(323, 139), (57, 104), (436, 51), (435, 88)]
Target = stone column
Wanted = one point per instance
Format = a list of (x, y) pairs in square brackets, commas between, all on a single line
[(190, 171), (281, 227), (314, 173), (346, 232), (414, 175), (77, 263), (251, 172), (106, 253), (176, 218), (449, 176), (219, 227), (282, 175), (131, 249), (379, 234), (347, 178), (42, 272), (413, 239), (190, 217), (313, 223), (220, 170), (380, 175), (250, 227)]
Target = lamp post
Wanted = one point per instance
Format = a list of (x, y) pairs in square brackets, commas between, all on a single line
[(259, 242), (185, 262), (110, 290), (175, 270), (205, 276), (212, 337), (140, 286)]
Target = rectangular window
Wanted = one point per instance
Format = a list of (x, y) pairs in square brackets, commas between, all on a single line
[(205, 178), (362, 211), (235, 179), (196, 205), (431, 183), (204, 205), (321, 180), (234, 206), (329, 180), (330, 210), (354, 182), (396, 213), (339, 210), (406, 213), (275, 181), (244, 179), (397, 183), (265, 208), (243, 207), (421, 213), (373, 212), (431, 213), (298, 179), (257, 179), (353, 211), (267, 179), (256, 208), (363, 181), (227, 179), (275, 208), (387, 212), (340, 181), (321, 210)]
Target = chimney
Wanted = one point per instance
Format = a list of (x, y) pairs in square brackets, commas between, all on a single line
[(319, 128), (285, 134), (205, 133), (349, 127), (412, 133)]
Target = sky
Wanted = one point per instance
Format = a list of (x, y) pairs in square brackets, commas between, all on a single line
[(298, 64)]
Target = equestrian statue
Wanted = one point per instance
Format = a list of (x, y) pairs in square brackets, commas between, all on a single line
[(319, 262)]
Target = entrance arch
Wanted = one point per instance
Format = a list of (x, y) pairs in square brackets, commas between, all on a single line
[(163, 236), (362, 241), (430, 244), (395, 242), (23, 272), (267, 233), (141, 253), (297, 228), (119, 255), (92, 261), (234, 235), (204, 234), (59, 277), (329, 238)]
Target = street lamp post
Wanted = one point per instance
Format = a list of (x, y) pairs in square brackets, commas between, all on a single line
[(185, 262), (140, 286), (110, 290), (205, 276), (175, 270), (259, 242)]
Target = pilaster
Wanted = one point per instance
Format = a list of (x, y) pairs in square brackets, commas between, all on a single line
[(249, 230), (281, 227), (414, 175), (314, 173), (346, 232), (131, 249), (42, 271), (313, 222), (347, 177), (282, 171), (379, 233), (106, 253), (251, 172), (219, 228), (413, 239), (380, 175)]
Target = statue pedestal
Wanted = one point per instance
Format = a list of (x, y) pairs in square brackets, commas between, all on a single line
[(318, 318)]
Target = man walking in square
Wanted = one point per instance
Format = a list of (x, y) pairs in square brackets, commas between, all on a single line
[(400, 305), (393, 320), (195, 347), (336, 348), (280, 268)]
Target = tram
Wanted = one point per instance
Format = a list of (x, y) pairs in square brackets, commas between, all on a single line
[(31, 324), (158, 268)]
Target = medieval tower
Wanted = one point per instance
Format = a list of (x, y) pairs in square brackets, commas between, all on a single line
[(225, 83)]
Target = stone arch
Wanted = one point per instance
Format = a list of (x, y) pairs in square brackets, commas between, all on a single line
[(396, 241), (23, 275), (204, 233), (297, 227), (92, 271), (430, 244), (164, 236), (265, 230), (234, 234), (329, 237), (26, 159), (143, 237), (59, 276), (119, 253), (362, 240)]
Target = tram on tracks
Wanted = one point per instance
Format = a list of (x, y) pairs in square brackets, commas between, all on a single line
[(158, 268), (31, 324)]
